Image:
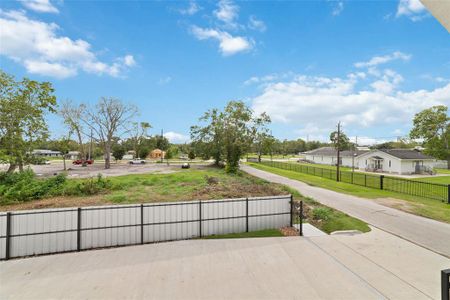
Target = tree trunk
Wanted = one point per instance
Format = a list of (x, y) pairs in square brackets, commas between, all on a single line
[(107, 156), (64, 160), (12, 168)]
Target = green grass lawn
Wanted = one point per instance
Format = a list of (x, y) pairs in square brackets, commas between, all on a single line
[(252, 234), (429, 208), (442, 171), (437, 179)]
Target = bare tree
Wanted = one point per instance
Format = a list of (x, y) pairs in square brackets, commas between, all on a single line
[(72, 115), (108, 119)]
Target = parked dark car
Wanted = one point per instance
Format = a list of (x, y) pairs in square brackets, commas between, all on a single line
[(185, 166)]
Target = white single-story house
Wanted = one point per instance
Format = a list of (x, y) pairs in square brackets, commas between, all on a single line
[(328, 156), (45, 153), (396, 161), (73, 154)]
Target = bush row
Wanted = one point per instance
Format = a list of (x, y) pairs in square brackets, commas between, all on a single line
[(25, 186)]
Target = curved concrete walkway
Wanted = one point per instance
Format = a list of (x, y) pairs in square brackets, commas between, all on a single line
[(427, 233)]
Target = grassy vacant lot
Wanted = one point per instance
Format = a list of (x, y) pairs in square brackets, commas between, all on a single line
[(429, 208), (197, 183)]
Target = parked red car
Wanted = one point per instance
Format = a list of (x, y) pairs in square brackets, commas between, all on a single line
[(80, 161)]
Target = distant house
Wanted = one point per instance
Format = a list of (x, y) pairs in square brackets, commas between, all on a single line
[(73, 154), (328, 156), (45, 153), (157, 153), (397, 161)]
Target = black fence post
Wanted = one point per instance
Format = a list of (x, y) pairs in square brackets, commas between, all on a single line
[(246, 214), (142, 224), (79, 229), (8, 235), (365, 180), (381, 181), (301, 218), (448, 194), (292, 211), (200, 218), (445, 284)]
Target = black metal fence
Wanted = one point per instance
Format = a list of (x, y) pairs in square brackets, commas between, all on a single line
[(394, 184), (37, 232)]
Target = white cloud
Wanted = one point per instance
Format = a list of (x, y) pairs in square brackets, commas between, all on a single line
[(268, 78), (165, 80), (255, 24), (43, 6), (378, 60), (176, 138), (413, 9), (41, 50), (315, 104), (338, 8), (228, 44), (192, 9), (227, 12)]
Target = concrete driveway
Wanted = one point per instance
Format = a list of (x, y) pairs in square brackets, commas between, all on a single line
[(428, 233), (375, 265)]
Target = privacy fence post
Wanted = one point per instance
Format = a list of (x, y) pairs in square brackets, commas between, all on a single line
[(246, 214), (79, 229), (292, 211), (142, 224), (8, 235), (200, 218), (445, 284), (301, 218), (381, 181)]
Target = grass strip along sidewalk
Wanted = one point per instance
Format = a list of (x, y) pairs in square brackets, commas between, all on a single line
[(429, 208)]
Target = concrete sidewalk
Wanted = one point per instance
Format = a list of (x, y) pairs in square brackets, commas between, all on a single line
[(428, 233), (375, 265)]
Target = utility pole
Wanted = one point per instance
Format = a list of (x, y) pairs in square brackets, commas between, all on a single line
[(90, 145), (162, 151), (338, 148), (354, 154)]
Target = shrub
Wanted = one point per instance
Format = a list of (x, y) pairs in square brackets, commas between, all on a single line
[(321, 213), (89, 186), (24, 186)]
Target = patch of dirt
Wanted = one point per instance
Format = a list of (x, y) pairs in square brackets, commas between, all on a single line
[(235, 190), (289, 231), (399, 204)]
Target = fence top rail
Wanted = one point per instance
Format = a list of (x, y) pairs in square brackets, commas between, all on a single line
[(136, 206)]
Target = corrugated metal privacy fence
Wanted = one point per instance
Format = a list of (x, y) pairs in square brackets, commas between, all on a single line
[(394, 184), (24, 233)]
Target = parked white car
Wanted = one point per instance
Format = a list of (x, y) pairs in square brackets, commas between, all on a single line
[(137, 161)]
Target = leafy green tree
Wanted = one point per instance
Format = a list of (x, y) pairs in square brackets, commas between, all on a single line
[(191, 154), (433, 126), (143, 152), (230, 133), (139, 133), (23, 105), (343, 143), (118, 152)]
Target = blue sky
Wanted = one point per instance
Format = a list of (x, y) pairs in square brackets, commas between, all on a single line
[(308, 64)]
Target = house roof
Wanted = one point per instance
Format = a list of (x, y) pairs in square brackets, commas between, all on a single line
[(406, 153), (331, 151), (45, 151)]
